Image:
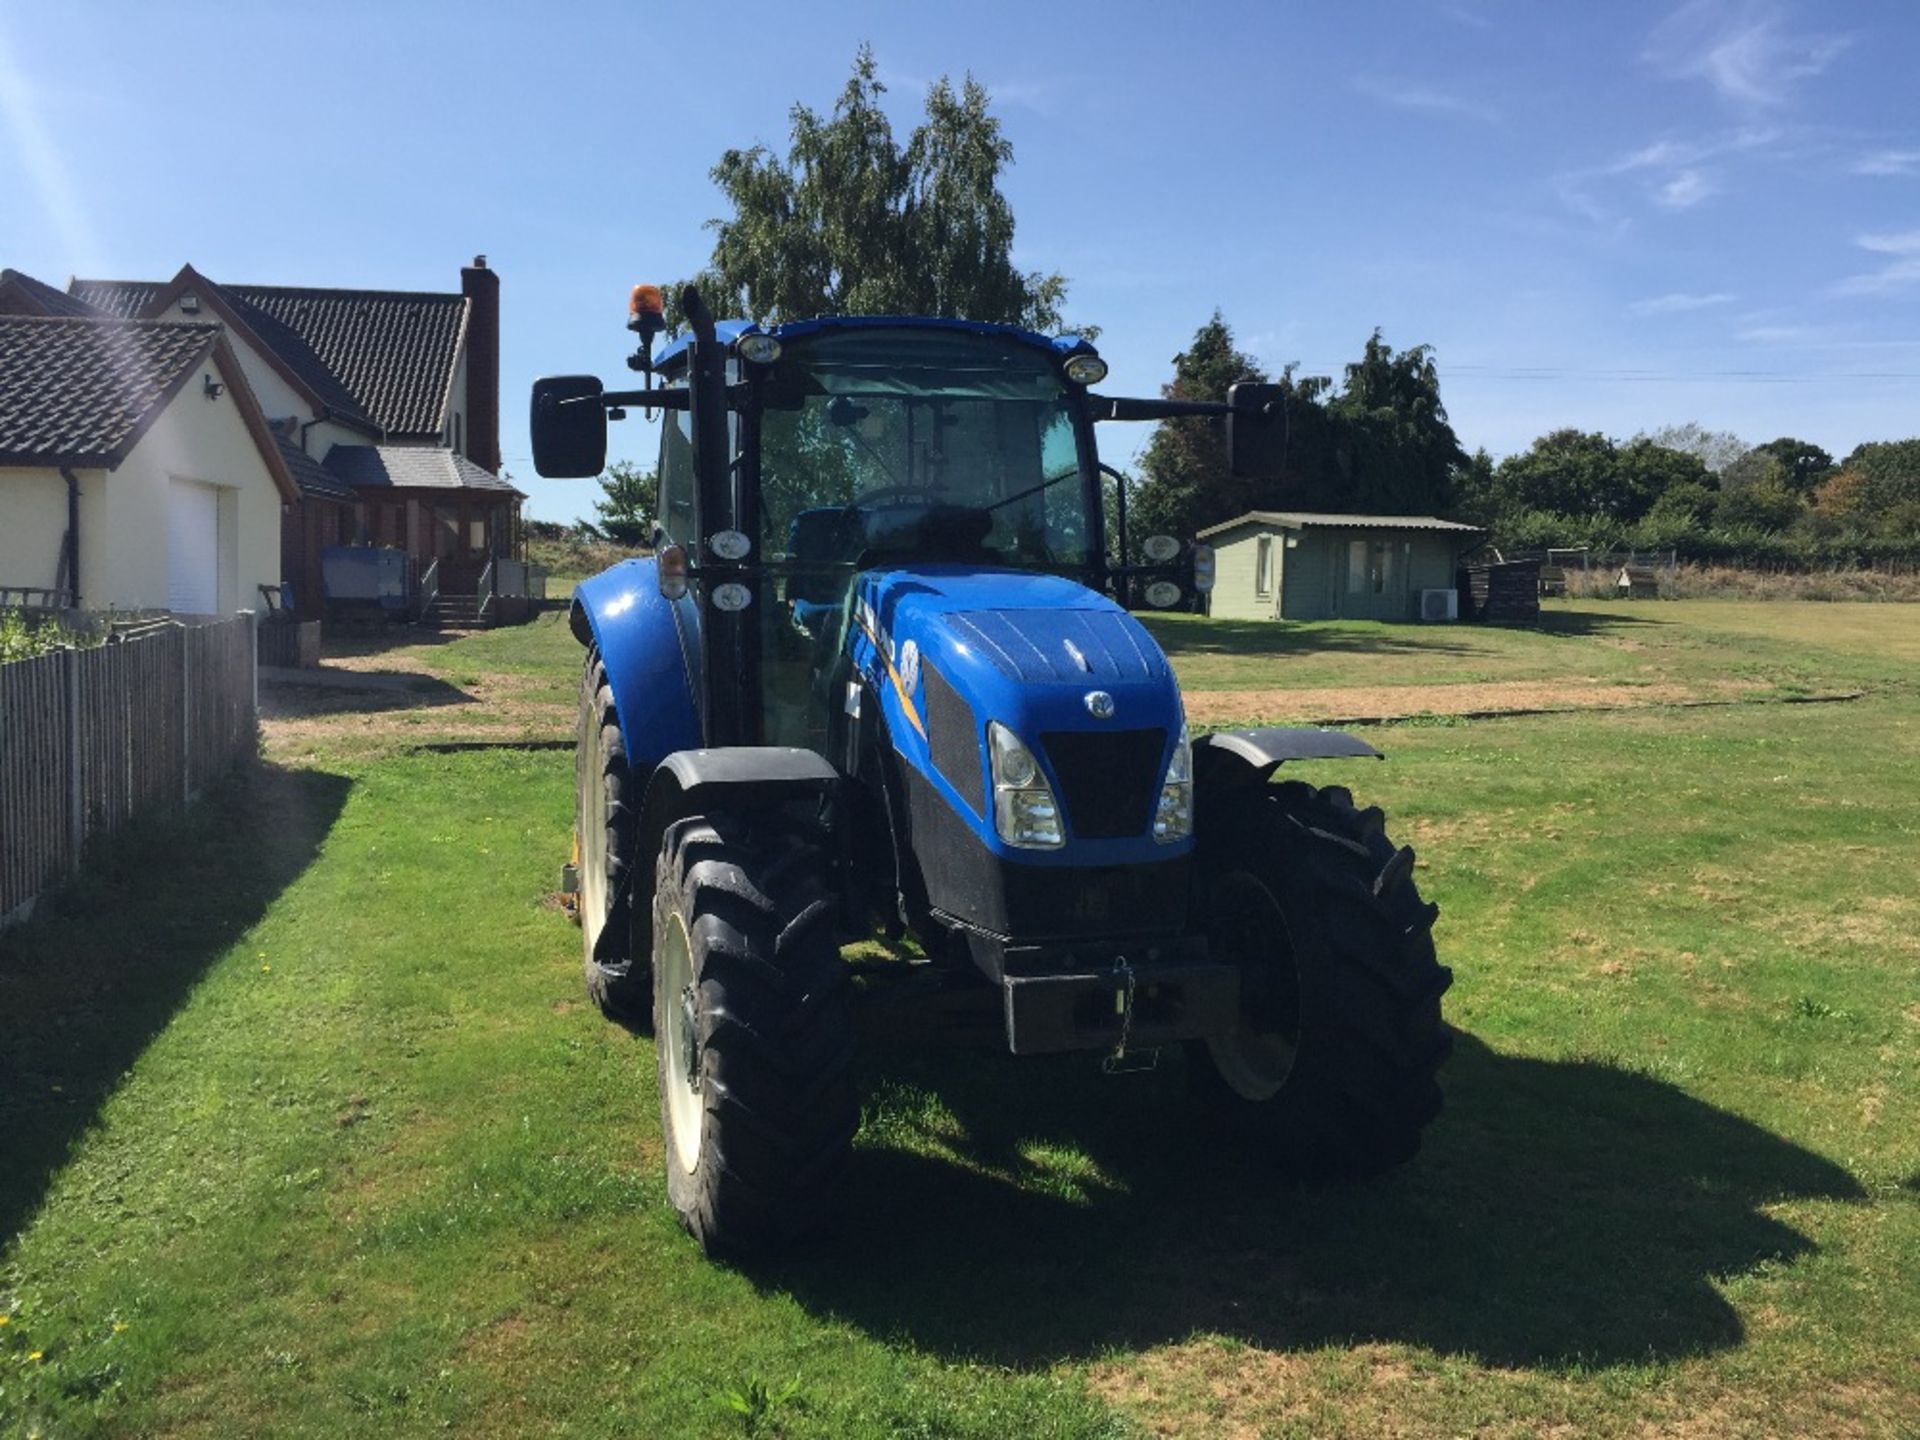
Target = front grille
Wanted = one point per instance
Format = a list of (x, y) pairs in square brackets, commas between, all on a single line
[(1108, 779)]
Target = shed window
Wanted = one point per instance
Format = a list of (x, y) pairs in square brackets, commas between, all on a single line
[(1369, 567), (1263, 566)]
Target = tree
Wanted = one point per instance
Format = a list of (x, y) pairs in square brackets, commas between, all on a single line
[(625, 510), (851, 223), (1576, 474), (1185, 485), (1715, 449), (1398, 454), (1806, 464)]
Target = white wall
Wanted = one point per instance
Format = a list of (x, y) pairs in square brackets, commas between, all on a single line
[(277, 398), (123, 534), (33, 523)]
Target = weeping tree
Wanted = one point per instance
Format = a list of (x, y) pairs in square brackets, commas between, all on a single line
[(851, 222)]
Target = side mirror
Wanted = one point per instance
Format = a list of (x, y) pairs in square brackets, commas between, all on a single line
[(1256, 431), (569, 427)]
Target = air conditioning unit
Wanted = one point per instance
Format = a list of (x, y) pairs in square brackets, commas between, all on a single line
[(1439, 604)]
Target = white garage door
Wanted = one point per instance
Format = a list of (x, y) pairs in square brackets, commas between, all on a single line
[(193, 548)]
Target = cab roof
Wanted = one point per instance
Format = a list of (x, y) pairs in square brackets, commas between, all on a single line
[(728, 331)]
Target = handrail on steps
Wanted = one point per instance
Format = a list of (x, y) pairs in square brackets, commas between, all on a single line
[(484, 593), (429, 590)]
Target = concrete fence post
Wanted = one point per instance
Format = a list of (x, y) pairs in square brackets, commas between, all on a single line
[(186, 715), (76, 759)]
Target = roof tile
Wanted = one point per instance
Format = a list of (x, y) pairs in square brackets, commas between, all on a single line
[(78, 391)]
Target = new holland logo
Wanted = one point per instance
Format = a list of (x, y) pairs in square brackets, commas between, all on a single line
[(1100, 704)]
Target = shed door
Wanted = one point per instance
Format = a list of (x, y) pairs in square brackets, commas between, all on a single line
[(193, 548)]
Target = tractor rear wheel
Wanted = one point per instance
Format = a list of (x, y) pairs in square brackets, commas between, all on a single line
[(607, 811), (1335, 1057), (753, 1032)]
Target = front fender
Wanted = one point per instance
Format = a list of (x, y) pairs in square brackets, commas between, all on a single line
[(1250, 756), (648, 655)]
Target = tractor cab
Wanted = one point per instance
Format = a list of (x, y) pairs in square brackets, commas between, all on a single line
[(877, 676)]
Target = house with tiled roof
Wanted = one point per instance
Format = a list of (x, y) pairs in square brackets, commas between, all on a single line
[(393, 395), (137, 470)]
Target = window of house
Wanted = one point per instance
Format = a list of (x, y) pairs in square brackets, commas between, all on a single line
[(1263, 566), (476, 534)]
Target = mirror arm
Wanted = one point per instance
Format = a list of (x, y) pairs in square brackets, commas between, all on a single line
[(657, 399), (1116, 407)]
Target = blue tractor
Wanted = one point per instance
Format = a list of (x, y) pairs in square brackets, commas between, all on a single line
[(875, 680)]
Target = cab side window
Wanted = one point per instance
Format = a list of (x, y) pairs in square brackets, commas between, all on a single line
[(676, 476)]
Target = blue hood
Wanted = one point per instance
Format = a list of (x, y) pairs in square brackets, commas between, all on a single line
[(1021, 648)]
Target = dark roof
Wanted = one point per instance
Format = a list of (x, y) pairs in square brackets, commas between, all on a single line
[(426, 467), (39, 297), (1320, 520), (394, 351), (76, 391), (125, 298), (382, 357), (310, 475)]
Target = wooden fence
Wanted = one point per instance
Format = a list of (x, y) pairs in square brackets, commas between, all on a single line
[(91, 738)]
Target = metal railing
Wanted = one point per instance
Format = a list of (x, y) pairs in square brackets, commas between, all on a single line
[(429, 589), (483, 593)]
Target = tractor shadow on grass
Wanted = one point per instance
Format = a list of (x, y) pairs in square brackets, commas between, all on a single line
[(106, 960), (1572, 1212)]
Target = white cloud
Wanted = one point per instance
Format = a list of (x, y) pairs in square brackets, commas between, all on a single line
[(1907, 242), (1742, 48), (1901, 273), (1423, 97), (1888, 162), (1685, 190), (1679, 302)]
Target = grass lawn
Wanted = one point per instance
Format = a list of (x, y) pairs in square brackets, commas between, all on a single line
[(308, 1129)]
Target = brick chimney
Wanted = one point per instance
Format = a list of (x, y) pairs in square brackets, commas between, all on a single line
[(481, 286)]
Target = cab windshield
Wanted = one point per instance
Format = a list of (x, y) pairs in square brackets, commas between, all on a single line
[(882, 445)]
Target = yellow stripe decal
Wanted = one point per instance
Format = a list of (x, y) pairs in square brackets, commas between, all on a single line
[(899, 685)]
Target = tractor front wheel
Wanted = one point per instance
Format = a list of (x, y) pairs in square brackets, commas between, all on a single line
[(753, 1032), (1335, 1057), (607, 810)]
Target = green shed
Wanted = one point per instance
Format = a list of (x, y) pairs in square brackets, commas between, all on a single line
[(1292, 565)]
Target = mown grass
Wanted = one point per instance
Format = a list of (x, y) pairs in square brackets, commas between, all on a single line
[(337, 1147)]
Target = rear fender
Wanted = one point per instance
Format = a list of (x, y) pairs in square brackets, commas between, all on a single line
[(649, 654), (1249, 757)]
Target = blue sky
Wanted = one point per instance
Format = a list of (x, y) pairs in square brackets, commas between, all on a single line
[(1612, 216)]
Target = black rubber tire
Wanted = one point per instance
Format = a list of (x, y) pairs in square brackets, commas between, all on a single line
[(770, 1011), (1310, 892), (607, 801)]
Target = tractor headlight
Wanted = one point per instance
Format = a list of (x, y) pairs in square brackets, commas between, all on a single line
[(1173, 816), (1024, 810), (1086, 368)]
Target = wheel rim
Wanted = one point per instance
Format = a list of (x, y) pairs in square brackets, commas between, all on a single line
[(685, 1110), (1247, 928), (593, 846)]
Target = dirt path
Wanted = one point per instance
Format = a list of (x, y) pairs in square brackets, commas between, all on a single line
[(1389, 702)]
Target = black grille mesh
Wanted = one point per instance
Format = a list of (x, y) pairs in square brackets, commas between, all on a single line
[(1109, 779)]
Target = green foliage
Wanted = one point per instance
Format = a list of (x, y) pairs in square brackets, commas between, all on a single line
[(1575, 473), (1380, 444), (25, 639), (853, 223), (1185, 485), (625, 510), (758, 1404), (1806, 464)]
